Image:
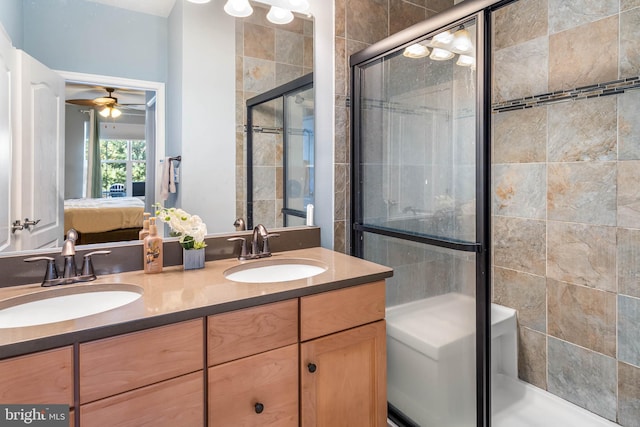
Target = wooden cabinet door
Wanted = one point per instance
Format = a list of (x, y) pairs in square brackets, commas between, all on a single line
[(343, 379), (256, 391)]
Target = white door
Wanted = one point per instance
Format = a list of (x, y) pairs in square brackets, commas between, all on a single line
[(39, 154), (7, 53)]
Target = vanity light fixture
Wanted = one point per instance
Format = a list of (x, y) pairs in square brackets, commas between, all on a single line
[(112, 112), (466, 61), (438, 54), (238, 8), (442, 39), (416, 50), (461, 42), (278, 15)]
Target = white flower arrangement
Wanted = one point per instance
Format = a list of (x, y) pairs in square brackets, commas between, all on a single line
[(189, 227)]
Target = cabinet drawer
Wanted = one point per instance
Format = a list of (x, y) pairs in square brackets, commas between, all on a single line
[(334, 311), (39, 378), (250, 331), (171, 403), (115, 365), (269, 379)]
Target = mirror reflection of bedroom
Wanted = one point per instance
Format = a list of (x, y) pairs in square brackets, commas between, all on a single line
[(106, 162)]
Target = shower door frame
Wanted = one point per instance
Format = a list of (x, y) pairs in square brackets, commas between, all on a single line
[(297, 85), (481, 10)]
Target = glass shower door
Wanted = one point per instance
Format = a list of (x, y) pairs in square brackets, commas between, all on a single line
[(415, 210)]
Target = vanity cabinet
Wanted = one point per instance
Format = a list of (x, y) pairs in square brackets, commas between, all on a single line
[(343, 358), (253, 366), (40, 378), (153, 376)]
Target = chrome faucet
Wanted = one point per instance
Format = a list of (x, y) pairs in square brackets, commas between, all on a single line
[(70, 272), (259, 233)]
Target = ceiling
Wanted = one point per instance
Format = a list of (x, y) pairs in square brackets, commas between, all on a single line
[(151, 7)]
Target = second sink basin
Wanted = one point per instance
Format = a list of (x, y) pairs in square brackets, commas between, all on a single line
[(65, 303), (275, 270)]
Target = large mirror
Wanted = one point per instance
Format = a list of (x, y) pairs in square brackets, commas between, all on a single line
[(193, 62)]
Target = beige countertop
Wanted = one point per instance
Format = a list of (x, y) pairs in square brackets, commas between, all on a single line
[(175, 295)]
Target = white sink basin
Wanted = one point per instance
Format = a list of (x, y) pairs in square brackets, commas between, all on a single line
[(59, 304), (275, 270)]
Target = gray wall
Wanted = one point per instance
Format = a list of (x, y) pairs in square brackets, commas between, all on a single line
[(74, 151), (11, 19)]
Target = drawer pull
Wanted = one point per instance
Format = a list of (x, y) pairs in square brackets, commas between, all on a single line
[(312, 367), (259, 408)]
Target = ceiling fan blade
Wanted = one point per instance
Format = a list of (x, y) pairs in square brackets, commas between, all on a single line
[(106, 100), (85, 102)]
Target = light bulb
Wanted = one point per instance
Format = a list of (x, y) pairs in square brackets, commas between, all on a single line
[(278, 15), (238, 8), (462, 42), (466, 61), (438, 54), (105, 112), (115, 113), (416, 50), (442, 39)]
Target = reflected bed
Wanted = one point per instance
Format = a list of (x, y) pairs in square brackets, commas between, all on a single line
[(104, 220)]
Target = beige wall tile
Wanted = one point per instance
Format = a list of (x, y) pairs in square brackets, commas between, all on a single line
[(583, 130), (519, 189), (567, 14), (628, 331), (342, 71), (520, 22), (520, 244), (436, 5), (520, 136), (629, 4), (628, 254), (629, 194), (307, 60), (289, 47), (582, 192), (523, 292), (259, 41), (583, 316), (630, 43), (629, 125), (628, 395), (403, 14), (285, 73), (521, 70), (369, 30), (532, 357), (259, 75), (584, 55), (582, 254)]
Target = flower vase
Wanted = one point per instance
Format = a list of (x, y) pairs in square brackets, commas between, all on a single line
[(193, 258)]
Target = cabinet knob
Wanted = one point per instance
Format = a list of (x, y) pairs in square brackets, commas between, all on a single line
[(259, 408), (312, 367)]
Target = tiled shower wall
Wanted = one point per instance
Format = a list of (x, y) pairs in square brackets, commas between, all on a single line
[(267, 56), (566, 197), (360, 23)]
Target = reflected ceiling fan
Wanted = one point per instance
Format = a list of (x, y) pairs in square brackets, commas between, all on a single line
[(107, 106)]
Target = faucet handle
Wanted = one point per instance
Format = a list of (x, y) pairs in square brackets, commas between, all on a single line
[(243, 249), (87, 265), (52, 271), (265, 243)]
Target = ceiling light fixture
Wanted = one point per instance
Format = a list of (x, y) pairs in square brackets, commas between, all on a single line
[(238, 8), (466, 61), (416, 50), (112, 112), (278, 15), (461, 42)]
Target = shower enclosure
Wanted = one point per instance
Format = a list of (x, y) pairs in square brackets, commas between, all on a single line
[(280, 154), (419, 205)]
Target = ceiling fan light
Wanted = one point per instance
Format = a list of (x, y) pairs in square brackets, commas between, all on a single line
[(278, 15), (115, 113), (416, 50), (238, 8), (442, 39), (105, 112), (466, 61)]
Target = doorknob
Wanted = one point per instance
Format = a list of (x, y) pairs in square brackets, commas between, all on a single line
[(28, 223), (16, 226)]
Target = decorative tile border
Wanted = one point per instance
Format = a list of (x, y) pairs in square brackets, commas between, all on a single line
[(601, 89)]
